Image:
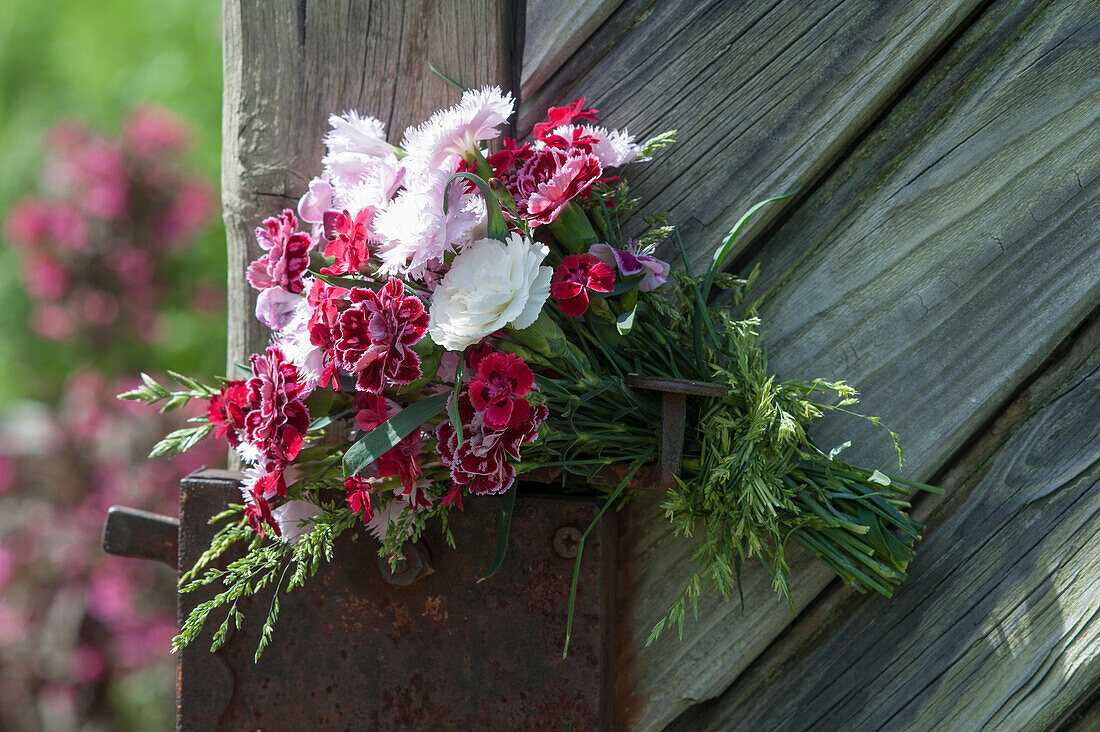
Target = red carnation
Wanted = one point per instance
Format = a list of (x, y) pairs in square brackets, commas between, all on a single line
[(358, 497), (257, 511), (227, 410), (375, 336), (502, 381), (347, 241), (559, 116), (287, 254), (400, 460), (574, 277)]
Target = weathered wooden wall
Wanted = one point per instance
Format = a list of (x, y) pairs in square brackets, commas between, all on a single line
[(943, 254)]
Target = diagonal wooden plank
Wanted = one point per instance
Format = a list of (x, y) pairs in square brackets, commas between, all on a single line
[(997, 629), (936, 268), (555, 29), (289, 65), (764, 95)]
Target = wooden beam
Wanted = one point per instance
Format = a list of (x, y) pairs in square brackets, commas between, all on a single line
[(936, 268), (764, 95), (555, 29), (289, 65)]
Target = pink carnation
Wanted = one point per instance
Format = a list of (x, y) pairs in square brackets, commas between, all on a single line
[(287, 254), (498, 388), (348, 239), (550, 179)]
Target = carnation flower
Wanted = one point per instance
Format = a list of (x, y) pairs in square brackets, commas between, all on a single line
[(227, 410), (326, 303), (415, 232), (490, 285), (501, 382), (550, 179), (560, 116), (277, 423), (347, 241), (257, 512), (400, 460), (614, 148), (316, 201), (482, 460), (452, 134), (358, 498), (375, 336), (632, 261), (574, 277)]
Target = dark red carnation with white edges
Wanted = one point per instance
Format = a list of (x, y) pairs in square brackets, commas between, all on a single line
[(278, 420), (375, 336), (227, 409)]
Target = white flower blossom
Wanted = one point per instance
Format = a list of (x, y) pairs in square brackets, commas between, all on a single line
[(414, 231), (455, 132), (490, 285), (293, 518)]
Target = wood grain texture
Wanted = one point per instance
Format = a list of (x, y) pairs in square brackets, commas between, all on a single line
[(763, 95), (936, 268), (289, 65), (555, 29), (998, 627)]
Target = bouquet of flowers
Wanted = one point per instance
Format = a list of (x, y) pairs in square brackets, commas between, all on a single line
[(448, 317)]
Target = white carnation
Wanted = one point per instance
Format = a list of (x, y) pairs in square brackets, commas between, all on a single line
[(490, 285)]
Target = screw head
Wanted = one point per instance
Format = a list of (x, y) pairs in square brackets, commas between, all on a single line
[(566, 541)]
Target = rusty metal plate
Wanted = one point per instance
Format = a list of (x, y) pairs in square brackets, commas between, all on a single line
[(351, 651)]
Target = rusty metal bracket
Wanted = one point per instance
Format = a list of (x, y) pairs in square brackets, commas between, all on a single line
[(129, 532)]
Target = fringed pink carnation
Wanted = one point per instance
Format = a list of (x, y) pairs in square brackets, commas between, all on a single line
[(375, 336), (452, 134)]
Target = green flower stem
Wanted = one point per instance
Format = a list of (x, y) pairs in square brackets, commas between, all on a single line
[(572, 229)]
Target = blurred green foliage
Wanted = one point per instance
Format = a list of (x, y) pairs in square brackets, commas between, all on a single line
[(92, 60)]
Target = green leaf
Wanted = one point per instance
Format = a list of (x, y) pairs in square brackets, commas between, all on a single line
[(385, 436), (452, 406), (504, 524), (625, 321), (497, 229), (723, 250), (839, 449), (447, 79)]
